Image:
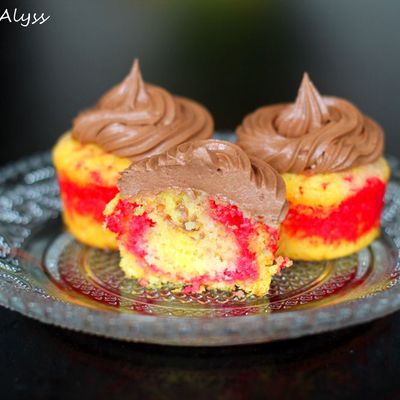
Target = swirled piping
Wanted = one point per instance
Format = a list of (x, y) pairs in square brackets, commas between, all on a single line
[(219, 168), (314, 135), (135, 119)]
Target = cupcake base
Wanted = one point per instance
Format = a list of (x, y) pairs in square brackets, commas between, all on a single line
[(189, 242), (88, 231), (333, 215), (315, 249), (87, 178)]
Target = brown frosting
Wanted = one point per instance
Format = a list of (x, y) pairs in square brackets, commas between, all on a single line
[(313, 135), (135, 119), (219, 168)]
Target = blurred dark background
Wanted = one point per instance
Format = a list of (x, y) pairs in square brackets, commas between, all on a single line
[(232, 56)]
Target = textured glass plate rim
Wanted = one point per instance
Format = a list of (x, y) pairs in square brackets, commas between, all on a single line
[(203, 331), (199, 330)]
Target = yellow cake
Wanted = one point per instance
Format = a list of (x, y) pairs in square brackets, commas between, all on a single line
[(87, 177), (341, 221), (330, 157), (179, 222), (130, 122)]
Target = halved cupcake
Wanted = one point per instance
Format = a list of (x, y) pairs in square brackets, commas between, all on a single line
[(330, 156), (200, 216), (132, 121)]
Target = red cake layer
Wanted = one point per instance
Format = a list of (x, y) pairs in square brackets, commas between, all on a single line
[(354, 217), (235, 222), (242, 228), (87, 200), (122, 221)]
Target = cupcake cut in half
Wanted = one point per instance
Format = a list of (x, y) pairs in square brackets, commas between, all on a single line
[(132, 121), (331, 158), (200, 216)]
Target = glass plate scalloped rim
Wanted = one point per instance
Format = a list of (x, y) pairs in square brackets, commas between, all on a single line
[(29, 200)]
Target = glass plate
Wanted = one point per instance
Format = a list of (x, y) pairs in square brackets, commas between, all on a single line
[(45, 274)]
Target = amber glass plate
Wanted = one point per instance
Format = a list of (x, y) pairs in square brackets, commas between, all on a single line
[(47, 275)]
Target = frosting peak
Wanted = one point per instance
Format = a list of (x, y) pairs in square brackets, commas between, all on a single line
[(219, 168), (135, 119), (309, 112), (129, 93), (316, 134)]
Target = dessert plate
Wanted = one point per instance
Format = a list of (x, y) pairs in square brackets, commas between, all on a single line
[(45, 274)]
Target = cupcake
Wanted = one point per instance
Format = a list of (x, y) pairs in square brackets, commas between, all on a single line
[(131, 121), (330, 156), (200, 216)]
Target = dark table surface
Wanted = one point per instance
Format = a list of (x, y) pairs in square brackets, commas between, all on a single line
[(44, 362)]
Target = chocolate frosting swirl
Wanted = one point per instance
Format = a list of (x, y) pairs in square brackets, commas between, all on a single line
[(314, 135), (219, 168), (135, 119)]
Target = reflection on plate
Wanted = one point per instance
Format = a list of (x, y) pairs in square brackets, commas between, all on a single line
[(46, 274)]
